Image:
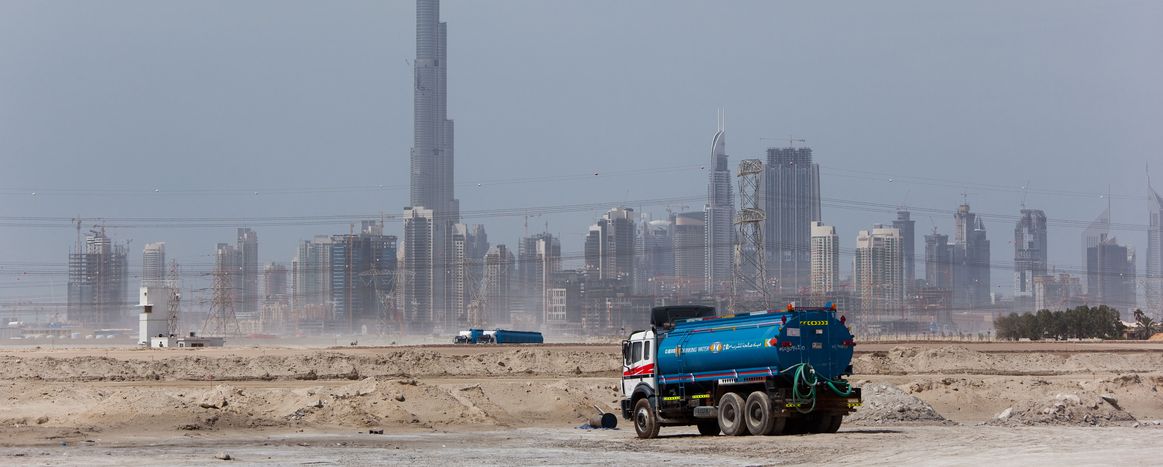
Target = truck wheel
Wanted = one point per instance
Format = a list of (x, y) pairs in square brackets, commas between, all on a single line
[(758, 410), (837, 420), (731, 415), (645, 423), (819, 423), (777, 427), (796, 426), (709, 428)]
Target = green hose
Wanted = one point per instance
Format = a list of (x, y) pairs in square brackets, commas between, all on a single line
[(804, 382), (847, 391), (803, 388)]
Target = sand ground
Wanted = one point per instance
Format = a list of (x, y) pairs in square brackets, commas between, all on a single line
[(521, 405)]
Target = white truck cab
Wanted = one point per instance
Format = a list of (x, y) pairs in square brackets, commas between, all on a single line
[(638, 363)]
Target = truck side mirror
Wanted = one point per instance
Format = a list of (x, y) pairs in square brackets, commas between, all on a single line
[(626, 352)]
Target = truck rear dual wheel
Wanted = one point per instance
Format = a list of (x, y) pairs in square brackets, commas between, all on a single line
[(834, 424), (709, 428), (824, 423), (645, 423), (732, 417), (760, 419)]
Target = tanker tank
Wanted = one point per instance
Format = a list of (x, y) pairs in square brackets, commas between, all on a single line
[(761, 342)]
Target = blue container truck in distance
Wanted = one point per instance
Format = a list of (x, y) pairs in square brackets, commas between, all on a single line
[(498, 336), (761, 373), (505, 336)]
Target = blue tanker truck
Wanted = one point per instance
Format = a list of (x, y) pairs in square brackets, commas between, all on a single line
[(506, 336), (498, 336), (761, 373)]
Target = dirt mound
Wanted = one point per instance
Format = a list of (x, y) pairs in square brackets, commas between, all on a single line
[(317, 365), (885, 404), (363, 404), (1158, 337), (959, 360), (912, 359), (1066, 409)]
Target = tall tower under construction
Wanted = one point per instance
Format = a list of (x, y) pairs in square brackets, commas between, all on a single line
[(432, 157), (98, 282)]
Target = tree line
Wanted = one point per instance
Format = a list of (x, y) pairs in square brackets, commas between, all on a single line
[(1083, 322)]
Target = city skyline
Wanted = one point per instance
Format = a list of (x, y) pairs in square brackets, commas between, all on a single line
[(837, 171)]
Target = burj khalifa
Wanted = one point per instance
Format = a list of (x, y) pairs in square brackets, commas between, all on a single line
[(434, 209), (432, 156)]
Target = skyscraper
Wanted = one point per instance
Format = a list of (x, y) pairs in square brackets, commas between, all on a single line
[(153, 265), (432, 146), (497, 286), (1030, 252), (274, 279), (539, 258), (609, 247), (463, 280), (432, 159), (247, 306), (1096, 232), (98, 282), (311, 275), (938, 261), (228, 265), (419, 294), (1154, 282), (907, 227), (363, 267), (719, 213), (655, 252), (825, 259), (878, 273), (791, 192), (690, 233), (971, 263), (1110, 276)]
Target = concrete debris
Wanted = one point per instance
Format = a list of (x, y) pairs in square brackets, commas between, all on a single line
[(886, 404), (1065, 409)]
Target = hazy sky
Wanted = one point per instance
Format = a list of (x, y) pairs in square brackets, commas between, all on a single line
[(310, 105)]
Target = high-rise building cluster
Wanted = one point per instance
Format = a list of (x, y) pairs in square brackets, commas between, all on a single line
[(762, 224)]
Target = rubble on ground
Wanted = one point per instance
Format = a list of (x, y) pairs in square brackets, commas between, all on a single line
[(885, 404), (1066, 409)]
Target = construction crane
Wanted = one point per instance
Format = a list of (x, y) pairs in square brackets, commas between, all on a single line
[(670, 209)]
